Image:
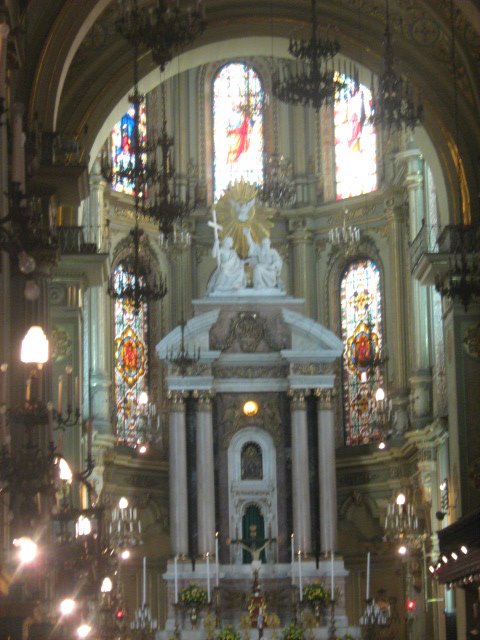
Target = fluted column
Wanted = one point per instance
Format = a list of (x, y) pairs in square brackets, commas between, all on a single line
[(301, 240), (205, 476), (178, 476), (327, 471), (398, 300), (300, 472)]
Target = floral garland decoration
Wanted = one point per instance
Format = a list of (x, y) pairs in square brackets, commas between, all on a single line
[(228, 633), (193, 595), (293, 632)]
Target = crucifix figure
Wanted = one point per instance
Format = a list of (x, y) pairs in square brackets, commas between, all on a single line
[(254, 547)]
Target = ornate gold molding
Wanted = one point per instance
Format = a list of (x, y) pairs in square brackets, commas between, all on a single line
[(298, 399), (204, 400), (177, 400), (325, 398)]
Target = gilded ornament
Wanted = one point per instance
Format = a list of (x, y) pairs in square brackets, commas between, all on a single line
[(248, 329), (61, 344)]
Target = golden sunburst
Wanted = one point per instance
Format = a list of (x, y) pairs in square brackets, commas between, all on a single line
[(239, 209)]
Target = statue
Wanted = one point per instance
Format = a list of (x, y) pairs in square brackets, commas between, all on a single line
[(266, 261), (230, 273)]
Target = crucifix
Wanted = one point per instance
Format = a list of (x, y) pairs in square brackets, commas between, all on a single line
[(255, 547), (216, 228)]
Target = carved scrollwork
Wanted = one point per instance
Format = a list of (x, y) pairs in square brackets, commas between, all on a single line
[(248, 330)]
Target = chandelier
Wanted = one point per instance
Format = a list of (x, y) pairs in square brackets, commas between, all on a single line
[(182, 360), (314, 82), (164, 29), (125, 529), (402, 524), (346, 238), (133, 281), (394, 106), (166, 207), (138, 423)]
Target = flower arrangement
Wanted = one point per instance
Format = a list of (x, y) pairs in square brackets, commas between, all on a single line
[(193, 595), (316, 593), (228, 633), (293, 632)]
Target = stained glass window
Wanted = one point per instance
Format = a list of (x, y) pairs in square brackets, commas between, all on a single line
[(238, 143), (122, 139), (251, 461), (361, 317), (355, 146), (130, 361)]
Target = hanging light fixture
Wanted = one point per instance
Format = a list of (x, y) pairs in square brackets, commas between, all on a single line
[(402, 524), (345, 238), (315, 82), (394, 106), (165, 28), (182, 360), (462, 280)]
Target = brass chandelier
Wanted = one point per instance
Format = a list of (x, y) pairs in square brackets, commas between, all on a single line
[(315, 82), (394, 105)]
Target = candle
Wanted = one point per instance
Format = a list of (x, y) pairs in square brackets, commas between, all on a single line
[(175, 578), (144, 582), (68, 371), (76, 394), (208, 578), (332, 577), (3, 369), (50, 421), (300, 583), (368, 577), (59, 394), (89, 437), (217, 560), (28, 390), (292, 554)]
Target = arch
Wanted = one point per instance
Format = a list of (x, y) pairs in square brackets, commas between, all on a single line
[(251, 461)]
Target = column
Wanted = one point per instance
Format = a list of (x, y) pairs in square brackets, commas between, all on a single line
[(301, 240), (178, 475), (205, 476), (327, 471), (398, 353), (18, 146), (300, 472), (421, 376)]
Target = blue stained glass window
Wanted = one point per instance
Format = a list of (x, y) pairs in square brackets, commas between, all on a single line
[(238, 140), (131, 361), (361, 320), (122, 140), (355, 146)]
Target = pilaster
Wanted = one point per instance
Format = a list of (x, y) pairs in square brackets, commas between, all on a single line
[(300, 472), (301, 242), (205, 475), (327, 470), (178, 475)]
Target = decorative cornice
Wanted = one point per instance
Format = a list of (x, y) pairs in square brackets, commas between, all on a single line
[(325, 398), (298, 399), (177, 400)]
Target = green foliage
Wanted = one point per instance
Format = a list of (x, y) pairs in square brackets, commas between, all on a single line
[(193, 595), (228, 633), (294, 632), (316, 593)]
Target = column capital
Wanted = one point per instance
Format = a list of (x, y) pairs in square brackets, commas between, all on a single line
[(204, 399), (298, 398), (325, 397), (177, 400)]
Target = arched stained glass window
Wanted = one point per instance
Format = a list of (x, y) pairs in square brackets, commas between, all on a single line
[(355, 146), (252, 461), (361, 318), (131, 361), (238, 141), (121, 141)]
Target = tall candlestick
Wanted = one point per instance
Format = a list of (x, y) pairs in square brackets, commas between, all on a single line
[(144, 582), (175, 578), (332, 577), (208, 578), (217, 560), (76, 394), (50, 421), (3, 369), (68, 371), (60, 395), (300, 582), (368, 577), (292, 555)]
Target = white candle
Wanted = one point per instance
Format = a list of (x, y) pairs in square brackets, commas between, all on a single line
[(300, 583), (3, 369), (332, 577), (217, 560), (292, 554), (144, 582), (175, 578), (50, 421), (59, 394), (208, 578), (368, 577)]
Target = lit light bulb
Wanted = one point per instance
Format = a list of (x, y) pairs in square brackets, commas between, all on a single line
[(27, 549), (402, 550), (123, 503), (379, 394), (125, 554), (142, 448), (381, 445), (64, 470), (83, 630), (34, 346), (107, 585), (401, 499), (26, 262), (67, 606), (464, 549), (83, 526), (143, 398)]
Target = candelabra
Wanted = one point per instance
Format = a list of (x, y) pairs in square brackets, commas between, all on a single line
[(377, 616), (346, 238), (138, 423), (182, 360), (316, 83), (178, 241), (393, 103), (125, 529), (402, 524)]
